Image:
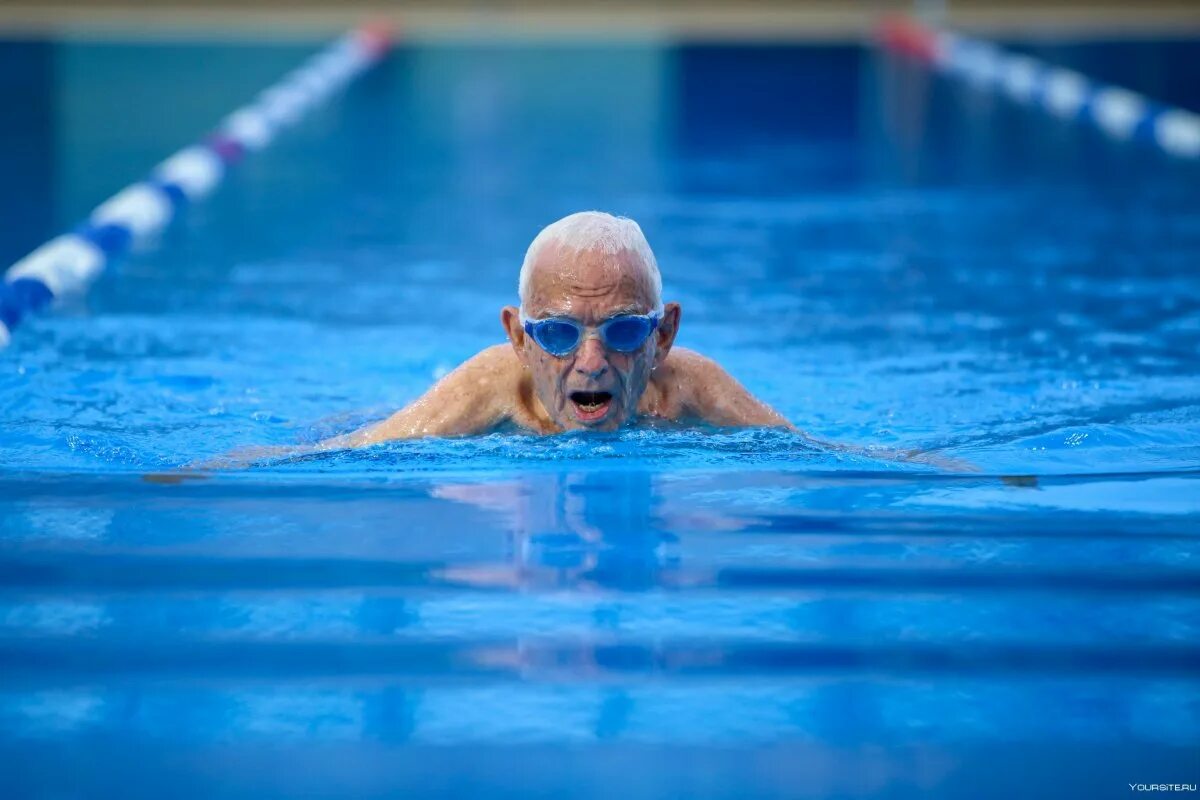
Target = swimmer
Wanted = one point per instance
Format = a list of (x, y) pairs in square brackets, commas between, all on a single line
[(591, 347)]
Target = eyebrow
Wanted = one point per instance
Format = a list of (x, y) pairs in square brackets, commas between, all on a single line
[(626, 309)]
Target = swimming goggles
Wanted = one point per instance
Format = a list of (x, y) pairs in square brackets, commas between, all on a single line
[(624, 333)]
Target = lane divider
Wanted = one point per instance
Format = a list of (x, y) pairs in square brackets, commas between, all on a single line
[(1120, 113), (134, 217)]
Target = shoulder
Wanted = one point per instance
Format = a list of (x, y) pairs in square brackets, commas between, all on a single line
[(702, 388), (473, 397), (676, 389), (688, 362), (688, 371), (497, 362), (485, 383)]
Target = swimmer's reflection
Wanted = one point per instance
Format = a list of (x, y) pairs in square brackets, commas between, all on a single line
[(579, 530)]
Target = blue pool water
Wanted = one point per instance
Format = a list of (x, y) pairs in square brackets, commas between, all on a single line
[(891, 260)]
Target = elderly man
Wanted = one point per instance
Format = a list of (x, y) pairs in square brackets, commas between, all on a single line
[(589, 348)]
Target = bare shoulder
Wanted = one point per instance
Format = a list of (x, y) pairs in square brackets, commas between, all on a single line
[(498, 361), (698, 386), (690, 372), (479, 387), (475, 396), (487, 374), (684, 362)]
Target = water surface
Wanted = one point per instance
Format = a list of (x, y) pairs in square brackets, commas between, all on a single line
[(891, 261)]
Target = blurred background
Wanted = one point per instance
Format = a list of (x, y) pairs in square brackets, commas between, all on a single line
[(83, 119), (759, 19)]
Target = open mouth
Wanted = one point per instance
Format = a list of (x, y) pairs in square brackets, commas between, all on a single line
[(591, 406)]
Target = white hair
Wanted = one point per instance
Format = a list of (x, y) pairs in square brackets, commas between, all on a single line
[(588, 231)]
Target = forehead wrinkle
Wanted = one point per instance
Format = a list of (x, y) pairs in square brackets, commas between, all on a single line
[(569, 287), (559, 283), (566, 313), (592, 304), (591, 291)]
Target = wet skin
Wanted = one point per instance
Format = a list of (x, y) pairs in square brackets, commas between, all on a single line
[(520, 385), (593, 387)]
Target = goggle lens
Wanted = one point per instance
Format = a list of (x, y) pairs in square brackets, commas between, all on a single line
[(626, 334), (557, 337)]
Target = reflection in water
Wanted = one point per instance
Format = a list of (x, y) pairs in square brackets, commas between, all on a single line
[(582, 530), (729, 590), (585, 606)]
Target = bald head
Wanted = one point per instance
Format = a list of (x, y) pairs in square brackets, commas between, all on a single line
[(591, 242)]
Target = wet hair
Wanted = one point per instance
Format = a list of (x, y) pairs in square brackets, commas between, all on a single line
[(587, 231)]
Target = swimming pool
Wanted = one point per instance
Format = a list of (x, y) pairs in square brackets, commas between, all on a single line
[(891, 261)]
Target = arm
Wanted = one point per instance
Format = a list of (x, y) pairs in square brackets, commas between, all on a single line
[(474, 397), (470, 399)]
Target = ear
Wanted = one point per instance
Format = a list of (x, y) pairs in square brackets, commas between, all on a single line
[(668, 327), (510, 318)]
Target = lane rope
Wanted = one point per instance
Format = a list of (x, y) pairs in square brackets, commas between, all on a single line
[(134, 217), (1121, 114)]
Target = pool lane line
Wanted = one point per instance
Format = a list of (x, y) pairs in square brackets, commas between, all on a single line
[(133, 218), (48, 568), (429, 656), (1119, 113)]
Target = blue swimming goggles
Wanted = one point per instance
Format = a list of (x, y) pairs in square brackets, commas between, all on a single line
[(624, 333)]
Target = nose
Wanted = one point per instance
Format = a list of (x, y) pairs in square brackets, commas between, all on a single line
[(590, 359)]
